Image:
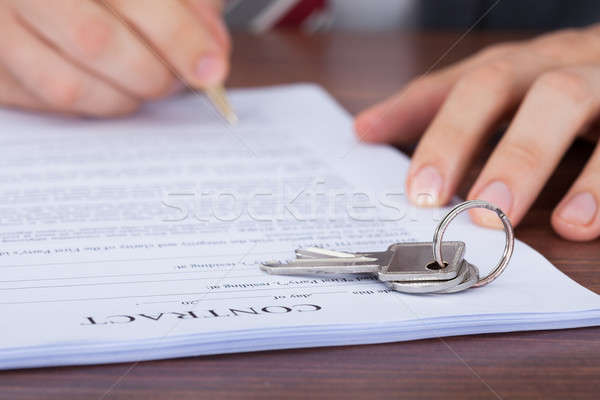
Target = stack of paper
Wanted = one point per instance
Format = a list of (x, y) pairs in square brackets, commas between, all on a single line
[(140, 238)]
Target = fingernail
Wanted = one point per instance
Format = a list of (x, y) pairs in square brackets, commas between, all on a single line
[(210, 70), (499, 195), (426, 186), (580, 209)]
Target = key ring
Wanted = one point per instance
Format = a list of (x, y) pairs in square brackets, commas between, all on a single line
[(508, 247)]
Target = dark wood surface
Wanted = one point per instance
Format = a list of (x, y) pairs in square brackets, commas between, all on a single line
[(359, 70)]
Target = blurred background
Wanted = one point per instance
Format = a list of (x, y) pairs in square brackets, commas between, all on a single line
[(391, 15)]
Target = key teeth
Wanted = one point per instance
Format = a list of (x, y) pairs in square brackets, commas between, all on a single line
[(318, 252), (299, 254), (272, 263), (269, 266)]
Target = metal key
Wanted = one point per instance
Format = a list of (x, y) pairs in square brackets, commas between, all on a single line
[(414, 262), (407, 267), (467, 277), (433, 286), (400, 262)]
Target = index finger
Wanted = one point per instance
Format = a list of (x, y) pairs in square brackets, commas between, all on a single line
[(403, 117), (177, 38)]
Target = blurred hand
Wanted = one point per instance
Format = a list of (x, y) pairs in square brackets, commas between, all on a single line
[(103, 57), (554, 83)]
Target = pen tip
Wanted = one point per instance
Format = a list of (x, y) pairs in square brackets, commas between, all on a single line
[(231, 117), (218, 98)]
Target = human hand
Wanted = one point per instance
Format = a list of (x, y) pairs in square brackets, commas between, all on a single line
[(554, 80), (105, 57)]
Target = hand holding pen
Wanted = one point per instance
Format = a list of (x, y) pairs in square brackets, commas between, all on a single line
[(106, 57)]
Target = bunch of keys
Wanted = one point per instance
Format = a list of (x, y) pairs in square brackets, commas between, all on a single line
[(424, 267)]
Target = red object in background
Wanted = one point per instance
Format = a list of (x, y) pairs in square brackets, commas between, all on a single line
[(300, 12)]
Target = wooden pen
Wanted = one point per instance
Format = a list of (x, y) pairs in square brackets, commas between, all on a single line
[(218, 97)]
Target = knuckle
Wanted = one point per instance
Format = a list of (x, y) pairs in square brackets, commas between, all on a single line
[(565, 35), (184, 32), (593, 30), (568, 83), (445, 137), (525, 154), (454, 136), (94, 36), (586, 48), (158, 83), (62, 92), (564, 45), (151, 78), (496, 77), (497, 73), (420, 84), (497, 50), (429, 83), (427, 154), (562, 36)]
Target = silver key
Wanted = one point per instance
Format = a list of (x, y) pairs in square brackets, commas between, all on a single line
[(414, 261), (317, 252), (407, 267), (469, 274), (401, 261), (432, 286), (329, 265)]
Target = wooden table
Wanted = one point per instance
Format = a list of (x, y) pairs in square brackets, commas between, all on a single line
[(359, 70)]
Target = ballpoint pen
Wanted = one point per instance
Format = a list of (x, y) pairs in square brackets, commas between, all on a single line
[(216, 94), (218, 97)]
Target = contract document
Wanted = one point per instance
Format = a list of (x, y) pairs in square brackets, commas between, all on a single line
[(141, 238)]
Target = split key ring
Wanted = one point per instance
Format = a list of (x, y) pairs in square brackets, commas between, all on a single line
[(508, 229)]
